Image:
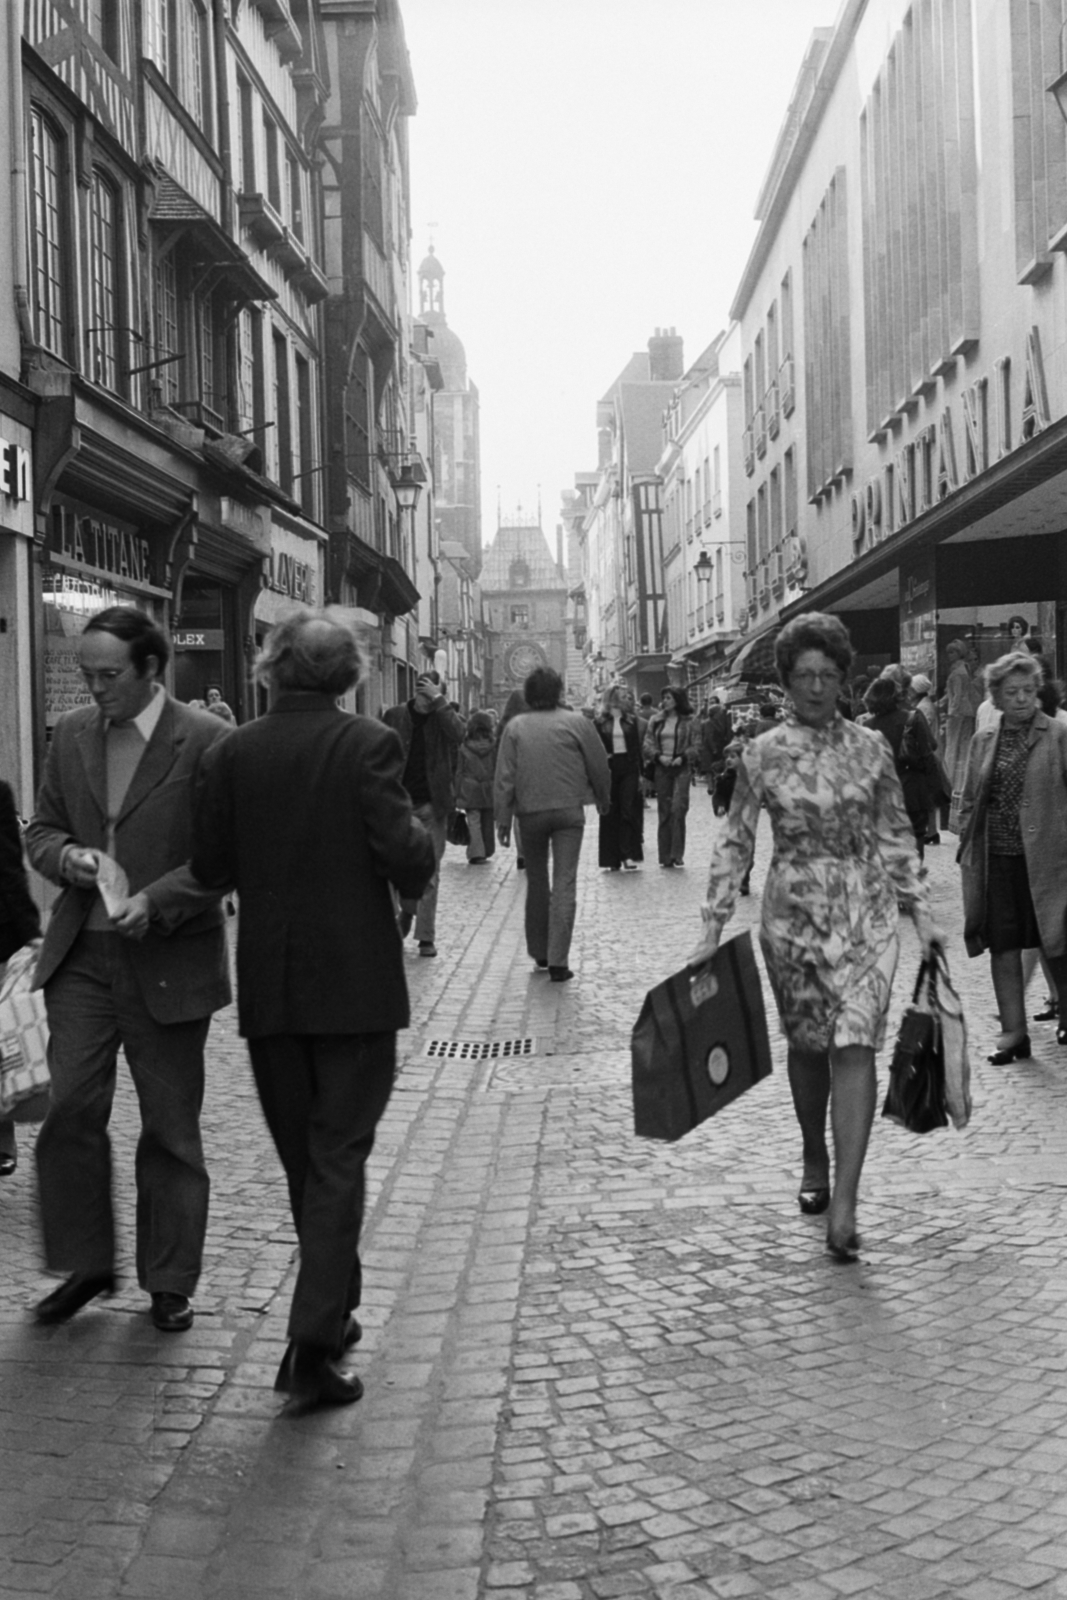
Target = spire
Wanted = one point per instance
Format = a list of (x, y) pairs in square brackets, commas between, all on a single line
[(431, 285)]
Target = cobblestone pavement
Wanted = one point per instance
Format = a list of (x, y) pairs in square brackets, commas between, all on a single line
[(595, 1366)]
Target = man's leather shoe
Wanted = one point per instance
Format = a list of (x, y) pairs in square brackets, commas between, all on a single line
[(352, 1335), (62, 1303), (315, 1380), (171, 1313)]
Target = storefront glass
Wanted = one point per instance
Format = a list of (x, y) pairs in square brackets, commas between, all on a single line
[(69, 602)]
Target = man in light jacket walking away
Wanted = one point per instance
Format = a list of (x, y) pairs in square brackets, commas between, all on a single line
[(551, 765), (307, 818)]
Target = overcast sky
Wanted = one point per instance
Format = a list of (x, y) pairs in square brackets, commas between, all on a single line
[(587, 170)]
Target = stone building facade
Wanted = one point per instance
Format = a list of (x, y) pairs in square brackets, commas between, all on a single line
[(524, 601)]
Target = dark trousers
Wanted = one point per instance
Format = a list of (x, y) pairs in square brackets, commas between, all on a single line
[(95, 1005), (672, 796), (323, 1096), (622, 829), (550, 909)]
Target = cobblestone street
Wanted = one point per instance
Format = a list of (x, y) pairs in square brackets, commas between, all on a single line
[(595, 1366)]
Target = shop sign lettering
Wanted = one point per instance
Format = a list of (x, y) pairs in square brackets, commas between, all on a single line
[(928, 468), (295, 579), (14, 471), (90, 542)]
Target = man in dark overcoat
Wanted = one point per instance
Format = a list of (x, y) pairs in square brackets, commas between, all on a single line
[(145, 971), (303, 812)]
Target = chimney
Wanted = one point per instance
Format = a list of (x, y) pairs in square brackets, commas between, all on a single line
[(665, 364)]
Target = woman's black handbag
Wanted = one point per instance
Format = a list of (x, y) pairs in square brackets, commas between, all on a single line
[(916, 1096), (457, 831)]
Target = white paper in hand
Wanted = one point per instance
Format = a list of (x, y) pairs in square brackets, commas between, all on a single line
[(112, 882)]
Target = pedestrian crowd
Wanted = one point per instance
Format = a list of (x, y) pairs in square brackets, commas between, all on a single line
[(328, 828)]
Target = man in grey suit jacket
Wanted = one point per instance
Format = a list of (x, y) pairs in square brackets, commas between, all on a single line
[(118, 783)]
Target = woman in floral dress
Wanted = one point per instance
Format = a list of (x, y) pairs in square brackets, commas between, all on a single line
[(844, 859)]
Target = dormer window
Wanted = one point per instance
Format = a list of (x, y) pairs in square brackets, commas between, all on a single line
[(519, 575)]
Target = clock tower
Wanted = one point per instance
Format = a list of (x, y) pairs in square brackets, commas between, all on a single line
[(524, 596)]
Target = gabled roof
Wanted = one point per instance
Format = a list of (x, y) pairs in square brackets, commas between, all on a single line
[(635, 371), (520, 544)]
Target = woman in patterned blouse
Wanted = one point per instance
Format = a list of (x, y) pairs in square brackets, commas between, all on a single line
[(844, 858), (1013, 846)]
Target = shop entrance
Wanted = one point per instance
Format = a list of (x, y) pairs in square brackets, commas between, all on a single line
[(204, 641)]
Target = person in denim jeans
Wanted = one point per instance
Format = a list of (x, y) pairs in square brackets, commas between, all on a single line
[(670, 747), (551, 765)]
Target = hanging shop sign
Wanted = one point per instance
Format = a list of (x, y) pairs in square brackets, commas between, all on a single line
[(961, 442)]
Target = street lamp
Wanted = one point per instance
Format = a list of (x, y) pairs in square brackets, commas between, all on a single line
[(704, 571), (407, 488)]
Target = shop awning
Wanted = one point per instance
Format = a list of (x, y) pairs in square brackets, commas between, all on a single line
[(753, 661), (183, 216)]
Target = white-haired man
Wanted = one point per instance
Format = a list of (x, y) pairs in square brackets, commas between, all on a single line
[(306, 817)]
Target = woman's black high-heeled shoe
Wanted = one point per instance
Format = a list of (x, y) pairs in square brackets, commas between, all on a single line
[(813, 1202), (1016, 1052)]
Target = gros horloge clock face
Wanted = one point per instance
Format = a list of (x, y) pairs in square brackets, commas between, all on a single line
[(522, 659)]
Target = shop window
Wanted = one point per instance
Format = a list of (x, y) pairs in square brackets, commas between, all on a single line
[(102, 334), (70, 599), (50, 248)]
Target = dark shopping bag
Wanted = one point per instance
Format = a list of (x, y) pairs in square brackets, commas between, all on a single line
[(458, 832), (916, 1095), (699, 1043)]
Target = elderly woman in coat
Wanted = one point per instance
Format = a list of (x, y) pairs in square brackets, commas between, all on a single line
[(1013, 846)]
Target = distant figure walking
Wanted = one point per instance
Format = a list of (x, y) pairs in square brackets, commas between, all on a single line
[(551, 765), (670, 746), (621, 830), (1013, 847), (474, 785), (431, 734), (303, 812)]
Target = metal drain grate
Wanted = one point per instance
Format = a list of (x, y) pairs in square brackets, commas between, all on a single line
[(479, 1049)]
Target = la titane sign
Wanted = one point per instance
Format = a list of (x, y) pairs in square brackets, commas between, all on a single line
[(104, 547), (954, 447)]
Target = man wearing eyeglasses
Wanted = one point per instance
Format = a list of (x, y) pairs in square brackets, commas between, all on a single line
[(143, 967)]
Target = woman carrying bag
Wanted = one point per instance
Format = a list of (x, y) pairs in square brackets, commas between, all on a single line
[(20, 921), (844, 857)]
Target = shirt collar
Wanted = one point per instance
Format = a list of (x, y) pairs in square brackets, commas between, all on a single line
[(145, 722)]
